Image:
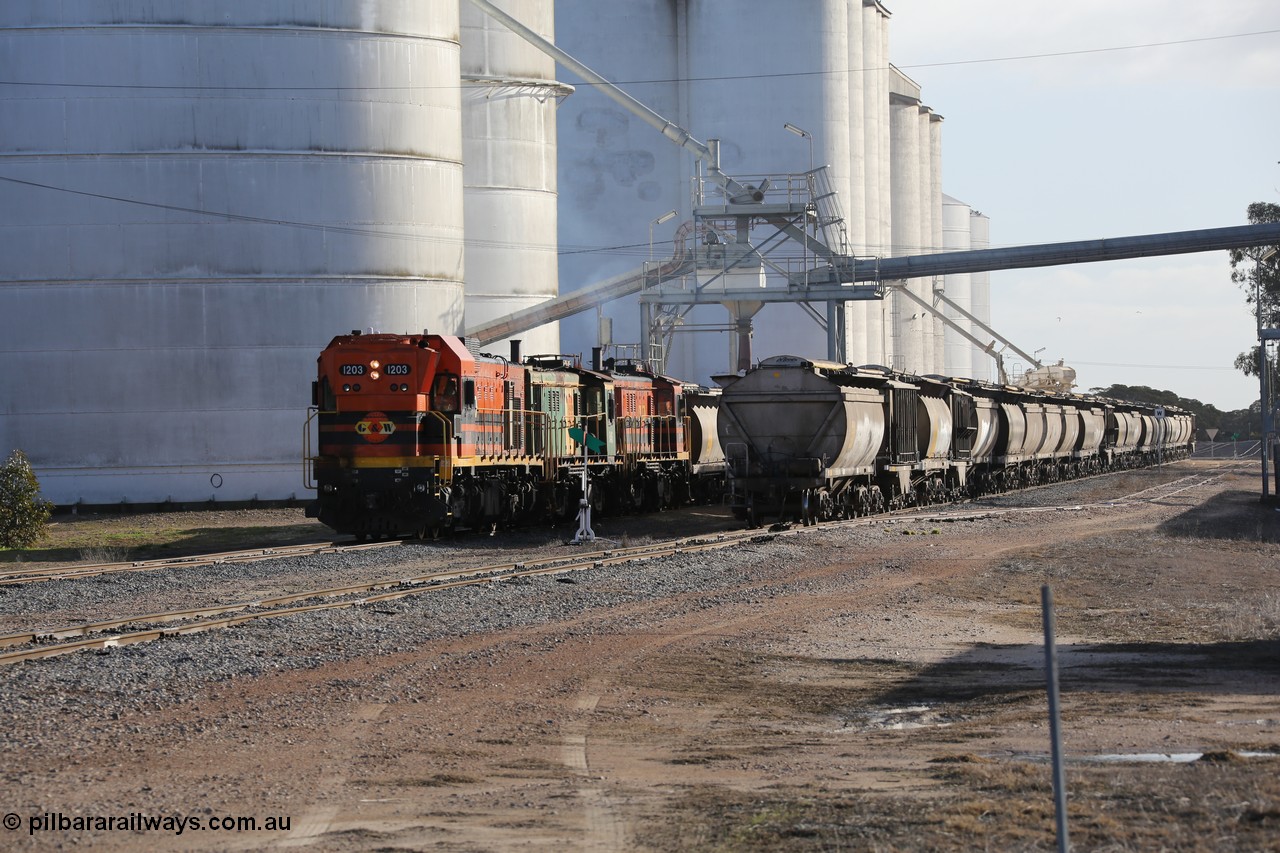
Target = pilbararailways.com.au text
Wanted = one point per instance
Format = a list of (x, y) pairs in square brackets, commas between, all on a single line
[(139, 822)]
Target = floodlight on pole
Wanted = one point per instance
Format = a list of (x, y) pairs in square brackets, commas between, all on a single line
[(666, 217), (801, 132)]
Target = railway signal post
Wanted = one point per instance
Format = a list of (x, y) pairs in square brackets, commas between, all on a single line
[(588, 442)]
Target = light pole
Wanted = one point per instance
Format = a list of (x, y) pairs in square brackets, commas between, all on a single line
[(646, 309), (835, 310), (801, 132), (666, 217)]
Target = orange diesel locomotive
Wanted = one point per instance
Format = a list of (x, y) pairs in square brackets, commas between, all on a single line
[(417, 433)]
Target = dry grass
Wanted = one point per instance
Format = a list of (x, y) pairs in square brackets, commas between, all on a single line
[(991, 805), (122, 537)]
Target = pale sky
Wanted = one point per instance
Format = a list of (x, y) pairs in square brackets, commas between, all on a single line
[(1105, 142)]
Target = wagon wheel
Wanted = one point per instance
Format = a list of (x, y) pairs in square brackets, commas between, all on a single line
[(826, 506)]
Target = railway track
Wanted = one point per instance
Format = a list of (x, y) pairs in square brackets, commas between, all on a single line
[(43, 643), (1167, 490), (16, 577), (53, 642)]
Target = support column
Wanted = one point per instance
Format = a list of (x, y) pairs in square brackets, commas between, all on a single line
[(836, 332)]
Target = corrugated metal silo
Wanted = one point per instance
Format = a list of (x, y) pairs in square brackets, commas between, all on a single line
[(908, 332), (755, 69), (212, 190), (879, 224), (859, 165), (935, 231), (959, 359), (509, 98), (732, 70), (616, 174), (980, 238)]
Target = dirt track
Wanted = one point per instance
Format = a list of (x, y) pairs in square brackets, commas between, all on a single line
[(889, 697)]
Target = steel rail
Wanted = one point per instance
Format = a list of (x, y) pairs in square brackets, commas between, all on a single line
[(418, 585), (496, 573), (603, 557), (14, 577)]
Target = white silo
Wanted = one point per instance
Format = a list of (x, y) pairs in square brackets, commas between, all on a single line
[(959, 360), (509, 99), (753, 70), (719, 73), (617, 175), (905, 162), (879, 217), (980, 238), (737, 71), (197, 196), (855, 205), (924, 286), (934, 242)]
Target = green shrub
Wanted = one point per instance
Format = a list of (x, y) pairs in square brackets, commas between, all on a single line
[(23, 514)]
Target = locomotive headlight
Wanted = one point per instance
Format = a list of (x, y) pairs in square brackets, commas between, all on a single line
[(374, 374), (375, 364)]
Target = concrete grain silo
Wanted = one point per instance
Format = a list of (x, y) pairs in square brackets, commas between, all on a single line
[(757, 68), (195, 198), (932, 133), (915, 164), (980, 238), (509, 100), (616, 174), (906, 160), (959, 356), (737, 71), (726, 69), (877, 232)]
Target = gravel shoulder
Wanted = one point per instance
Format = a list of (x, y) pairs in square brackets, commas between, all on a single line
[(871, 687)]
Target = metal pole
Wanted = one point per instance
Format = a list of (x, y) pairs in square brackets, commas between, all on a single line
[(1266, 413), (1262, 370), (1055, 731), (585, 533), (1264, 374)]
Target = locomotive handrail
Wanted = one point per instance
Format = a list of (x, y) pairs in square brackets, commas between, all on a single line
[(450, 454), (308, 461)]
